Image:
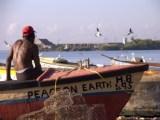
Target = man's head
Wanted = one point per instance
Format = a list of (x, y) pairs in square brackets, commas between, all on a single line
[(28, 33)]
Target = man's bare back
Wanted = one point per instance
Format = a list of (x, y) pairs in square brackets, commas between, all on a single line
[(23, 52)]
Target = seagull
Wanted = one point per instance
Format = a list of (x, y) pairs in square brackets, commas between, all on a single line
[(98, 34), (7, 44), (130, 31)]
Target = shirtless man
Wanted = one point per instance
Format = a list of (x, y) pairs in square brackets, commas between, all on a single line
[(22, 53)]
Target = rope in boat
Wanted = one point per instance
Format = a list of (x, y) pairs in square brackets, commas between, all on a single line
[(85, 67), (58, 78), (55, 86), (93, 71)]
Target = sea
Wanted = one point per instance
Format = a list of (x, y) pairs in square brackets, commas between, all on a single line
[(96, 57)]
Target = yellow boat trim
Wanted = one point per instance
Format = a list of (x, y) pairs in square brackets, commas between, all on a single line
[(3, 73)]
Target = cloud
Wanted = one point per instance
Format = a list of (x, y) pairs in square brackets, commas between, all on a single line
[(12, 28)]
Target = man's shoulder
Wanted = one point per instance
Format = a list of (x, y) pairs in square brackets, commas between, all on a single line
[(18, 41)]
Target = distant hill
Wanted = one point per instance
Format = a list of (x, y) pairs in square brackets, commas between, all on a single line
[(44, 44), (135, 44)]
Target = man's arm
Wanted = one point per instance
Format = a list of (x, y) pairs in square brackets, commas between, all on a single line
[(36, 58), (8, 64)]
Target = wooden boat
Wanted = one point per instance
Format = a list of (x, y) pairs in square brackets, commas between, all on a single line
[(135, 60), (111, 86), (63, 64), (57, 63)]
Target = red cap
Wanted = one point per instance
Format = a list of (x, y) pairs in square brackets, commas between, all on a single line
[(27, 30)]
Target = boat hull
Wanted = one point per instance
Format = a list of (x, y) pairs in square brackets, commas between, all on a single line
[(111, 88), (58, 63)]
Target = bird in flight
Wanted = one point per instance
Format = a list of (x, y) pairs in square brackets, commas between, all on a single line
[(7, 44), (130, 31), (98, 34)]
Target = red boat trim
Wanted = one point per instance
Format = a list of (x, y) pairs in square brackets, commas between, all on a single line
[(109, 73)]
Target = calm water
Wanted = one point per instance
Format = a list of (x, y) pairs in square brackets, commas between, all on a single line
[(96, 57)]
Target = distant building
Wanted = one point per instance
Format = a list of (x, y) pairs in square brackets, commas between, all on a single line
[(125, 40)]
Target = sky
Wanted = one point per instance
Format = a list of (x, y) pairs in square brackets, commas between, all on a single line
[(75, 21)]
